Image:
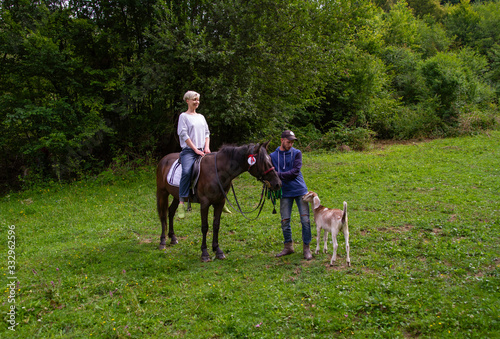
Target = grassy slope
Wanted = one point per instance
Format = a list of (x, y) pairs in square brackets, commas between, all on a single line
[(424, 228)]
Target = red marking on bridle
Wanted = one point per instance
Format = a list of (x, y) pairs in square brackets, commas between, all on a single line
[(252, 159), (269, 170)]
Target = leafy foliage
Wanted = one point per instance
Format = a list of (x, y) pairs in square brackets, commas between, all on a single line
[(85, 82)]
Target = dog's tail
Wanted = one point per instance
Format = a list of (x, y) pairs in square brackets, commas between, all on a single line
[(344, 215)]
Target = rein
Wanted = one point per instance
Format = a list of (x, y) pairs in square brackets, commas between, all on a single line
[(269, 170), (260, 204)]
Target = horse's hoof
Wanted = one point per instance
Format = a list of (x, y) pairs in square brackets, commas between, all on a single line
[(174, 241), (161, 247), (219, 254), (205, 257)]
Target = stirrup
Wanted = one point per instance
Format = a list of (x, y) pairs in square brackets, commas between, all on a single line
[(181, 211)]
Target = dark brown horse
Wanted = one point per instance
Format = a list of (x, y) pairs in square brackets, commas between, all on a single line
[(231, 161)]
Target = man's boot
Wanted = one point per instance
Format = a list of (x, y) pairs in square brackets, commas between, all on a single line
[(307, 252), (287, 249)]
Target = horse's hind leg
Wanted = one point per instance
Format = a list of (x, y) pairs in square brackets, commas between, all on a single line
[(171, 214), (161, 205)]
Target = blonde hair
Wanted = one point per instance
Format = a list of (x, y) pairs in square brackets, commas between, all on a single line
[(191, 95)]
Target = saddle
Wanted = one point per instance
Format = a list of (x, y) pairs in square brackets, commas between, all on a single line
[(175, 173)]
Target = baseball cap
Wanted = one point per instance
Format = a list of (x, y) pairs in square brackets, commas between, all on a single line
[(289, 135)]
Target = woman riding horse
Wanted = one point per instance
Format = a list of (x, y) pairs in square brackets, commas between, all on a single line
[(216, 170)]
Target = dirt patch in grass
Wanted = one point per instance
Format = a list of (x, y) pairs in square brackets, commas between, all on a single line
[(337, 266), (382, 144), (405, 228), (414, 141), (295, 276)]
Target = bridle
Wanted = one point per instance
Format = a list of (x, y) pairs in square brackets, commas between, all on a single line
[(251, 161)]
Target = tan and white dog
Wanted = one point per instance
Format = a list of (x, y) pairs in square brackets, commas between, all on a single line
[(330, 220)]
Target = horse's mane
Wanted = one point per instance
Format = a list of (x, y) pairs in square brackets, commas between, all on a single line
[(237, 152), (233, 150)]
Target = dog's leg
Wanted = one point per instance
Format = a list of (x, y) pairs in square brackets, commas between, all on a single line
[(346, 237), (318, 234), (335, 246), (325, 241)]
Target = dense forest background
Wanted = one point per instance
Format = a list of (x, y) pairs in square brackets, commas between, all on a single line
[(85, 84)]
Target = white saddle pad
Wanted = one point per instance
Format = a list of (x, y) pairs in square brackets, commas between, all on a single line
[(175, 173)]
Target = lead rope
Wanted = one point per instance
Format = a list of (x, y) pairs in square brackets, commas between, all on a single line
[(274, 196), (261, 202)]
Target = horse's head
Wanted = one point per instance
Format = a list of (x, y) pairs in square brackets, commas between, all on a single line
[(262, 167)]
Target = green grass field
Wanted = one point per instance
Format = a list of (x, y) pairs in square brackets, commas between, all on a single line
[(424, 234)]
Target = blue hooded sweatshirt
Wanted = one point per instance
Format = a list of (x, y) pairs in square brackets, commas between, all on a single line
[(288, 165)]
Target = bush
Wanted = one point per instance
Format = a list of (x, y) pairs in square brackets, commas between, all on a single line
[(404, 66), (357, 138), (417, 121), (462, 22), (309, 137), (444, 77), (473, 119), (488, 29), (494, 73), (432, 38)]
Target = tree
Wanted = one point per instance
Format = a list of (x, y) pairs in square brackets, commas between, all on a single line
[(462, 22), (61, 85), (243, 57), (422, 8), (487, 33)]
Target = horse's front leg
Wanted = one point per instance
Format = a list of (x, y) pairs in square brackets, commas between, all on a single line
[(219, 254), (204, 230)]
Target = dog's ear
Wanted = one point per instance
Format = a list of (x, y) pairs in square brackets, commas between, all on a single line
[(316, 202)]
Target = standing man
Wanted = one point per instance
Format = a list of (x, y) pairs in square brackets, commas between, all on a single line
[(288, 161)]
